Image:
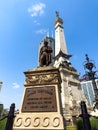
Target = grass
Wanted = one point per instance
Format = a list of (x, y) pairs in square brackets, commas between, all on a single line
[(2, 124), (71, 128)]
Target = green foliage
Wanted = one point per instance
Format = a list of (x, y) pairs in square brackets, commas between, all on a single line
[(93, 121), (80, 124), (3, 113), (1, 108), (3, 124)]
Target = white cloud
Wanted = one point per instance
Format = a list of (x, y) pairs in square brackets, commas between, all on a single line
[(16, 86), (37, 9), (41, 31), (36, 22)]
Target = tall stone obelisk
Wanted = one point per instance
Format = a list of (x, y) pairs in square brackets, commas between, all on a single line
[(70, 84)]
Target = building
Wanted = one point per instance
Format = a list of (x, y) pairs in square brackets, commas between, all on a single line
[(89, 83), (88, 90)]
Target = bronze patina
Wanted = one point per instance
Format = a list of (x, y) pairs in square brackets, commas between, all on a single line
[(45, 55)]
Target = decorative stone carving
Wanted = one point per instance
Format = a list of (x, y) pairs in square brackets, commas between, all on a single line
[(18, 122), (46, 122), (40, 79), (56, 121), (37, 122), (27, 122)]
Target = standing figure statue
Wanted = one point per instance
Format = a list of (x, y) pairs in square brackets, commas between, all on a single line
[(45, 55)]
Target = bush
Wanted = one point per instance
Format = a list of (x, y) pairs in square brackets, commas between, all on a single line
[(80, 124), (1, 109), (93, 121)]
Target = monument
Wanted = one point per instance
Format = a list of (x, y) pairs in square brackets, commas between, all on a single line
[(71, 91), (41, 103)]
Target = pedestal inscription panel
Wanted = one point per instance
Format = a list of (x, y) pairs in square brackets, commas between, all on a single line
[(40, 99)]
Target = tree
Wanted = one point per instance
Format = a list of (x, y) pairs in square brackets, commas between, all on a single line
[(1, 109)]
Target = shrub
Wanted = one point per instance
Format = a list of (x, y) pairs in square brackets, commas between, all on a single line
[(80, 124), (93, 121)]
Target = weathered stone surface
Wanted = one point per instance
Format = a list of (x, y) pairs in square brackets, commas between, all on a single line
[(41, 103), (42, 75), (38, 121)]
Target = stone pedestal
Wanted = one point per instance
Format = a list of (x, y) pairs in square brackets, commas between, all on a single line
[(41, 103)]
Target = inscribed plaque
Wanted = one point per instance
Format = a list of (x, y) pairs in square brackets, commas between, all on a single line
[(40, 99)]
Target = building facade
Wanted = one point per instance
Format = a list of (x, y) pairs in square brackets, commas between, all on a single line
[(88, 90)]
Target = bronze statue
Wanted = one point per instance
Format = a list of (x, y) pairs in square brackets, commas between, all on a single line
[(45, 55)]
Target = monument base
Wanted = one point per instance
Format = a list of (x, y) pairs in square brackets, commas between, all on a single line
[(38, 121), (41, 103)]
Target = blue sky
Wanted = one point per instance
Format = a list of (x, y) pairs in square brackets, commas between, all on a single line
[(23, 24)]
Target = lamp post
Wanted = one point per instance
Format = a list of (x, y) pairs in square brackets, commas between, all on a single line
[(10, 118), (85, 116), (89, 65)]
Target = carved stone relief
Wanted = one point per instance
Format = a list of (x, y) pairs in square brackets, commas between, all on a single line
[(37, 122), (40, 79)]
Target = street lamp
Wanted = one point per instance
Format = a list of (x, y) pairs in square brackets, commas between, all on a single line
[(89, 65)]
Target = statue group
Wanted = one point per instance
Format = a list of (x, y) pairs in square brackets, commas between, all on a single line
[(45, 57)]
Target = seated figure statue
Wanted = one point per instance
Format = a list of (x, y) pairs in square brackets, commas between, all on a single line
[(45, 55)]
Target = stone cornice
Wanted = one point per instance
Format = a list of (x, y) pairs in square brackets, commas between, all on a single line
[(68, 71), (42, 75), (61, 54)]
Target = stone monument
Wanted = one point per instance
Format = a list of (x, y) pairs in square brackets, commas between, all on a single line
[(41, 103)]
